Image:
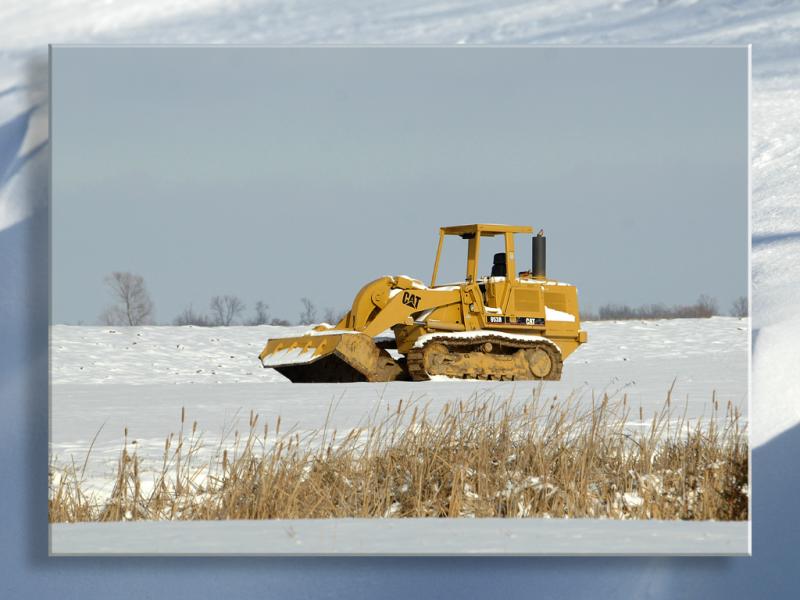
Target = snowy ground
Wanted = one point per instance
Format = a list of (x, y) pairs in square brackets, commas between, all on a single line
[(617, 350), (392, 536), (106, 380)]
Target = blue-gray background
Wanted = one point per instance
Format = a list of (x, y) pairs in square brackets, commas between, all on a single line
[(275, 174)]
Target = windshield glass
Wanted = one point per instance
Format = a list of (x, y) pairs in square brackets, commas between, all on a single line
[(453, 261)]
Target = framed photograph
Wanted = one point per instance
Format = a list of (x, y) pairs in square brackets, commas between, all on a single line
[(399, 300)]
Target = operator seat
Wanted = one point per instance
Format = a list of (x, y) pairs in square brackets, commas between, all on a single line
[(499, 265)]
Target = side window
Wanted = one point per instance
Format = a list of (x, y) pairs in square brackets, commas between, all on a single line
[(490, 245)]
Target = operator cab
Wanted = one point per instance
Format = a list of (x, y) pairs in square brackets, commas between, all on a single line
[(503, 263)]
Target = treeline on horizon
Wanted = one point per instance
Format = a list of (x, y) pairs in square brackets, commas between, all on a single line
[(132, 305), (704, 307)]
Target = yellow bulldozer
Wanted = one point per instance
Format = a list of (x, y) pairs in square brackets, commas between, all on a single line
[(500, 326)]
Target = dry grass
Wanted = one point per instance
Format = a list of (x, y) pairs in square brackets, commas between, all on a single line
[(472, 459)]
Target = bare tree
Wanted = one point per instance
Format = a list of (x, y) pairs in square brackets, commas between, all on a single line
[(739, 307), (280, 322), (189, 317), (706, 306), (261, 316), (309, 314), (224, 309), (132, 302), (332, 317)]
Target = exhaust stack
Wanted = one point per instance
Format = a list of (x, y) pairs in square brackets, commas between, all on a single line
[(539, 268)]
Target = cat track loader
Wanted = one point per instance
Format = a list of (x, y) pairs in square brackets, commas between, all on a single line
[(501, 326)]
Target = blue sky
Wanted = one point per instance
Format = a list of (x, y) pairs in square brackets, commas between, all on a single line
[(280, 173)]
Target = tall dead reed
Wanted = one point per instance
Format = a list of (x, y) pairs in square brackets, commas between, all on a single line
[(475, 458)]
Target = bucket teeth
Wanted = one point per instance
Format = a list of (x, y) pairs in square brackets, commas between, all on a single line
[(338, 356)]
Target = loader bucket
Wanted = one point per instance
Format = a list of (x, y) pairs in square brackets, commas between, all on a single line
[(330, 357)]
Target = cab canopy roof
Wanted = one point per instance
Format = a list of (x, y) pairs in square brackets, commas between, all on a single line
[(485, 229)]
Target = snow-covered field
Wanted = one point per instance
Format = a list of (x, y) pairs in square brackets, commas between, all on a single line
[(618, 351), (395, 536), (141, 378), (107, 380)]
